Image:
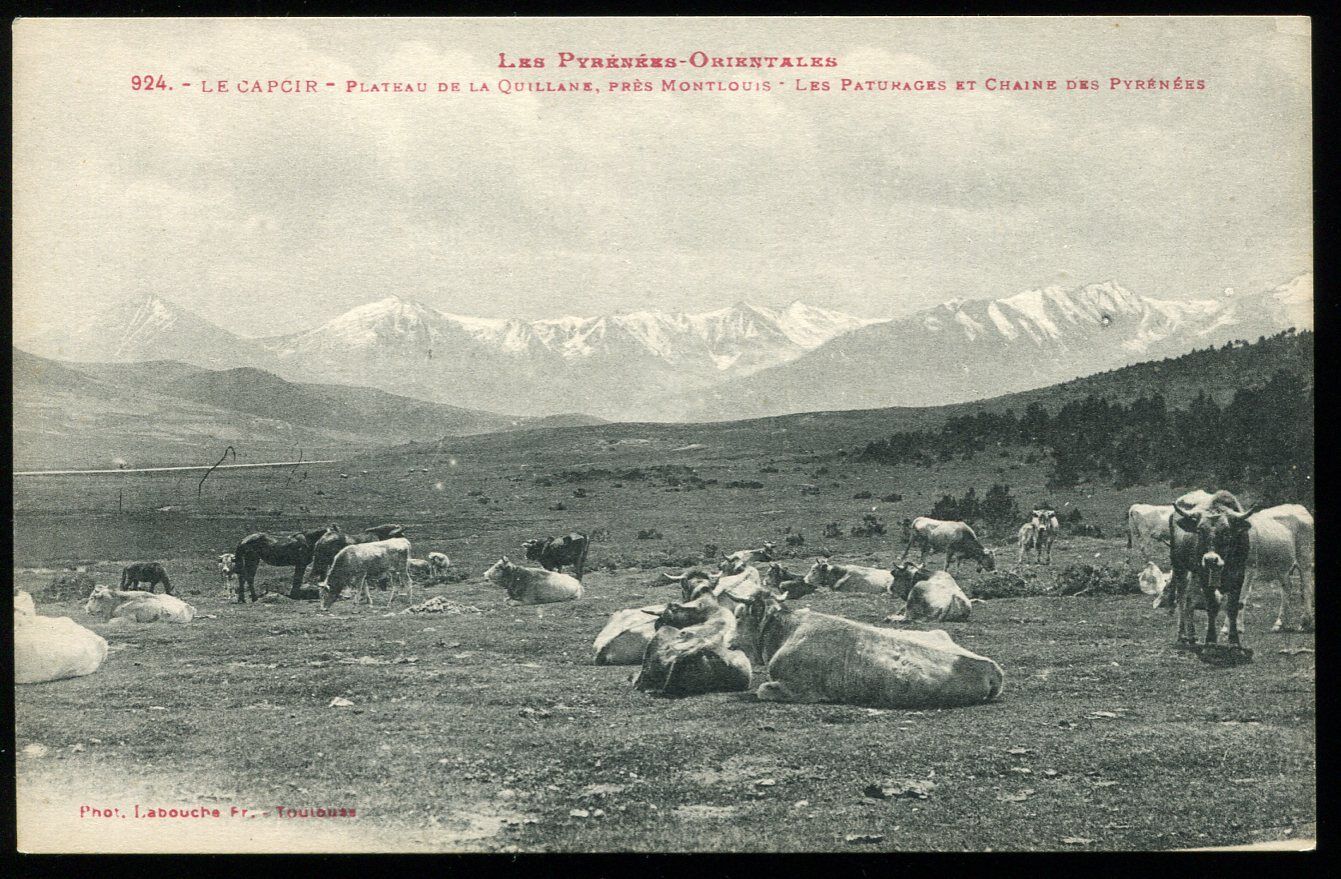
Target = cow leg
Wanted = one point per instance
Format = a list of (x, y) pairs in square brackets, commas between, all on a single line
[(1181, 583), (1212, 611), (1306, 586), (296, 590)]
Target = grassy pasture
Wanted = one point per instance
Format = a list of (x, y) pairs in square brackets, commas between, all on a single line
[(493, 731)]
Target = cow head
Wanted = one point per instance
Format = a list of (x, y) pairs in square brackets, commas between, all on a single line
[(731, 566), (682, 614), (534, 547), (101, 602), (779, 579), (757, 624), (692, 582), (822, 574), (500, 571), (768, 550), (906, 576)]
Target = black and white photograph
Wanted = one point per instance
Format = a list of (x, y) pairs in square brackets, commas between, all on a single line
[(768, 434)]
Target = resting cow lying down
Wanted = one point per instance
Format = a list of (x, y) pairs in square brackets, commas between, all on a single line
[(625, 637), (815, 657), (929, 596), (51, 648), (533, 585), (692, 652), (137, 606)]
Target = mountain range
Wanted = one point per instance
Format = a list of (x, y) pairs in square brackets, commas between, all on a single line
[(736, 362)]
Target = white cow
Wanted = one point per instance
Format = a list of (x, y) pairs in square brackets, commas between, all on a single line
[(736, 562), (850, 578), (1038, 534), (1154, 581), (419, 569), (815, 657), (1280, 548), (931, 596), (438, 563), (533, 585), (955, 539), (228, 571), (1148, 523), (52, 648), (359, 563), (626, 636), (137, 606)]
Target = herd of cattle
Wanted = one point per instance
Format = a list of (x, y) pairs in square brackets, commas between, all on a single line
[(727, 620)]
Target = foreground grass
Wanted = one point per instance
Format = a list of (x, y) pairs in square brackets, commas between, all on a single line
[(486, 731)]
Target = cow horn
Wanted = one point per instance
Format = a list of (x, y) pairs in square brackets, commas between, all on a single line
[(673, 579), (1244, 515), (654, 613)]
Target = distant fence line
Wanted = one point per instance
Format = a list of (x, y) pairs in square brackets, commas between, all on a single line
[(168, 469)]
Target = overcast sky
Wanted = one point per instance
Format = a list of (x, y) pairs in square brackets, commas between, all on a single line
[(270, 213)]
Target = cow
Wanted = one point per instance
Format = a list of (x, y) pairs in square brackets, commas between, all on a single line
[(815, 657), (152, 573), (1208, 551), (329, 544), (420, 569), (728, 586), (1280, 548), (692, 652), (1149, 523), (228, 571), (736, 561), (555, 552), (438, 563), (1038, 534), (626, 635), (850, 578), (281, 550), (693, 582), (357, 564), (929, 596), (137, 606), (533, 585), (784, 582), (52, 648), (1154, 581), (955, 539)]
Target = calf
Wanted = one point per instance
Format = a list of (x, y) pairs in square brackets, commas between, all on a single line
[(151, 573), (228, 571), (532, 585), (438, 563), (137, 606)]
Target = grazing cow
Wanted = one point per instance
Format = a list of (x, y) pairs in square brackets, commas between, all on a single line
[(137, 606), (420, 569), (329, 544), (555, 552), (692, 652), (736, 562), (438, 563), (1208, 550), (52, 648), (815, 657), (359, 563), (850, 578), (228, 570), (955, 539), (626, 635), (1038, 534), (929, 596), (133, 575), (784, 582), (281, 550), (533, 585)]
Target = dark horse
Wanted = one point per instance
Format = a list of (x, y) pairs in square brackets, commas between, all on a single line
[(333, 540), (145, 572), (281, 550)]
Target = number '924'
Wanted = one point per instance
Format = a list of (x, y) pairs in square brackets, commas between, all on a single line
[(148, 83)]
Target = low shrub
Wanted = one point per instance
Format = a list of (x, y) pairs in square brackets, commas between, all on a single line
[(1091, 580)]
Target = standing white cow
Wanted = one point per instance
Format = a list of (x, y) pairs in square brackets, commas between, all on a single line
[(1280, 548), (228, 571), (359, 563), (1038, 534), (438, 563), (955, 539), (1148, 524)]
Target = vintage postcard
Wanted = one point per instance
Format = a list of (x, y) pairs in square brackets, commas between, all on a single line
[(663, 434)]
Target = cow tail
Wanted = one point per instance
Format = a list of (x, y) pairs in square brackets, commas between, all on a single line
[(167, 584), (125, 577)]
